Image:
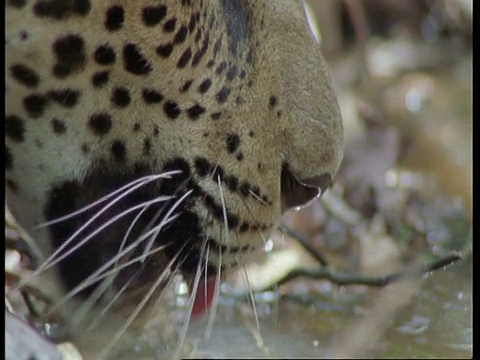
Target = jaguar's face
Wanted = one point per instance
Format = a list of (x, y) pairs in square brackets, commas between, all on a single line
[(176, 133)]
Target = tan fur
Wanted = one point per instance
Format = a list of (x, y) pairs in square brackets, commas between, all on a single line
[(303, 129)]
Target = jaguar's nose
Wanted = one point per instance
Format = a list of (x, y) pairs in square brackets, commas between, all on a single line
[(322, 182), (297, 192)]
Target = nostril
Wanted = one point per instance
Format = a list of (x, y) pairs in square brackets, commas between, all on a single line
[(295, 192), (323, 182)]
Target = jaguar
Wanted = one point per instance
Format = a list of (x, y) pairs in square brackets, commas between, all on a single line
[(146, 138)]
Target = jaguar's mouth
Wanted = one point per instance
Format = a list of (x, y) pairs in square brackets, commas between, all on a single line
[(135, 226)]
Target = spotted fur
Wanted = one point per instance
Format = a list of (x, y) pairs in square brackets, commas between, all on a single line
[(227, 94)]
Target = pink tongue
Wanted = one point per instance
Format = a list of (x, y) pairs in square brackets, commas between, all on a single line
[(204, 296)]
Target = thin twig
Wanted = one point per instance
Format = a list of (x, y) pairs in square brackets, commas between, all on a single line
[(342, 279)]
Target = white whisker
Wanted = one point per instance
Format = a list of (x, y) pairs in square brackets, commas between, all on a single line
[(130, 227), (170, 211), (254, 220), (143, 181), (80, 314), (224, 209), (214, 306), (50, 262), (97, 275), (257, 198), (141, 305), (107, 307), (251, 295), (188, 316)]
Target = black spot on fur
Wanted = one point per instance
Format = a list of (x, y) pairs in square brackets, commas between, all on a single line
[(184, 58), (221, 67), (100, 123), (231, 73), (210, 63), (218, 173), (186, 86), (58, 126), (272, 101), (171, 109), (61, 9), (222, 95), (151, 96), (114, 18), (243, 74), (198, 35), (200, 53), (217, 47), (100, 78), (177, 164), (204, 86), (14, 128), (192, 23), (216, 115), (245, 189), (147, 146), (67, 98), (164, 50), (134, 62), (104, 55), (24, 75), (152, 15), (119, 151), (70, 55), (239, 156), (35, 105), (181, 35), (255, 190), (195, 111), (232, 183), (120, 97), (136, 127), (8, 159), (233, 141), (202, 166), (169, 25), (217, 211)]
